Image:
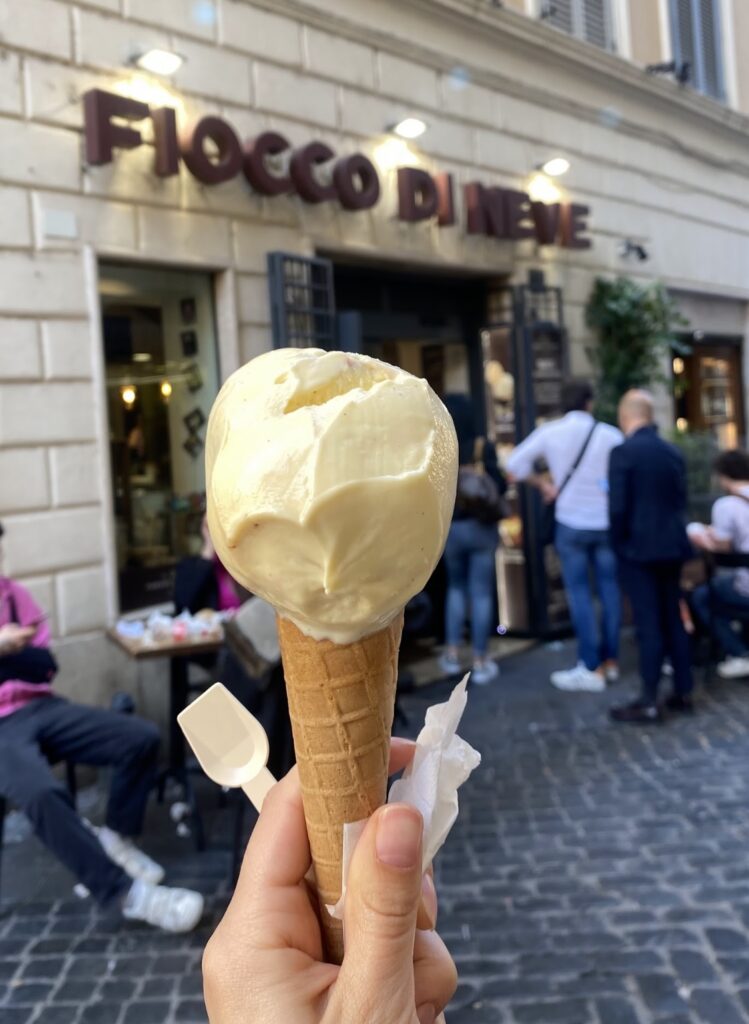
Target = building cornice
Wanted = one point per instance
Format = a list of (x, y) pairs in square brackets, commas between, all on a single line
[(541, 43)]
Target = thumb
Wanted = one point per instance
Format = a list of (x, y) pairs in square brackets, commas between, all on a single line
[(382, 901)]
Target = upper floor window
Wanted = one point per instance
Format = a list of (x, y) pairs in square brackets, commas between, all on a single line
[(587, 19), (696, 36)]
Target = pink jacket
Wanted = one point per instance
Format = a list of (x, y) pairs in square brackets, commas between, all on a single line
[(15, 693)]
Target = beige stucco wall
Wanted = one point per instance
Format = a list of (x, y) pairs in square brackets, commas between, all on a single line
[(739, 39), (654, 164), (645, 32)]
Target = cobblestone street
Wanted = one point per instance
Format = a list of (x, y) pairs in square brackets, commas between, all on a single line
[(597, 875)]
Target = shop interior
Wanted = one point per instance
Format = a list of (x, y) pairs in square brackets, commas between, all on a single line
[(162, 375)]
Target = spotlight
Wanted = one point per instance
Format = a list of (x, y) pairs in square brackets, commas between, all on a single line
[(555, 167), (629, 248), (409, 128), (681, 70), (159, 62)]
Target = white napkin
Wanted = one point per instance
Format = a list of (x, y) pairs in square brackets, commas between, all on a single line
[(441, 764)]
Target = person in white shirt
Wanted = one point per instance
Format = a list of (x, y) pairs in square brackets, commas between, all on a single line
[(728, 531), (580, 490)]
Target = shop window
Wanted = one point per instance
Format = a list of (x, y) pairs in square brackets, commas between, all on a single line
[(696, 41), (708, 393), (590, 20), (161, 372)]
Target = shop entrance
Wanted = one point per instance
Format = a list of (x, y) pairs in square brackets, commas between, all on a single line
[(161, 375), (428, 324)]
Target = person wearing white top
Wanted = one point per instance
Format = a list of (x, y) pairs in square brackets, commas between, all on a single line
[(728, 531), (581, 529)]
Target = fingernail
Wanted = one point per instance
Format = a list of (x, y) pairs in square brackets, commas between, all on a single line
[(398, 839), (427, 1014), (429, 900)]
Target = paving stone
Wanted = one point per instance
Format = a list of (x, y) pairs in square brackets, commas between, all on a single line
[(713, 1005), (101, 1013), (564, 1011), (191, 1011), (616, 1011), (146, 1011), (59, 1013)]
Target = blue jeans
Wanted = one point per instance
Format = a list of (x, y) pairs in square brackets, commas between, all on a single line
[(580, 551), (727, 604), (471, 578)]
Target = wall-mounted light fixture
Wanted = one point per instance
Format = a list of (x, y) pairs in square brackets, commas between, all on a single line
[(166, 390), (681, 70), (678, 365), (555, 167), (158, 61), (142, 357), (682, 425), (409, 128), (128, 394), (629, 248)]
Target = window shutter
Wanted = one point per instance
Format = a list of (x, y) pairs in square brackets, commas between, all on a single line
[(562, 15), (596, 23), (302, 301), (712, 80), (683, 33)]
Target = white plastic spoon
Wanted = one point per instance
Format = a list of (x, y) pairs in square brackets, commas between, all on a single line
[(229, 742)]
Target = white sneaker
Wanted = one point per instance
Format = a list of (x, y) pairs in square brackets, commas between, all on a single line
[(123, 851), (449, 664), (611, 671), (173, 910), (734, 668), (482, 675), (578, 678)]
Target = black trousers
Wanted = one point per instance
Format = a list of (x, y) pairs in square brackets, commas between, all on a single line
[(53, 729), (654, 591)]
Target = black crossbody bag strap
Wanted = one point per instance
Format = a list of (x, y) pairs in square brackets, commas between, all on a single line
[(578, 460)]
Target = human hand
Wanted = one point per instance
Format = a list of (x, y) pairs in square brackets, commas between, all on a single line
[(14, 638), (264, 963), (549, 492)]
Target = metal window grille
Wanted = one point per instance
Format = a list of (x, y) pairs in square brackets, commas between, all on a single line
[(302, 301), (586, 19), (696, 36)]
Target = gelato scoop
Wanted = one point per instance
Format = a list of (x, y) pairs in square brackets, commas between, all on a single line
[(330, 482)]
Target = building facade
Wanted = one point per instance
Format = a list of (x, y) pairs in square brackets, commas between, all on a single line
[(156, 233)]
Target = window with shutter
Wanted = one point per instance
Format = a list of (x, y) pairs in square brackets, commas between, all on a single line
[(595, 22), (560, 14), (696, 40), (586, 19)]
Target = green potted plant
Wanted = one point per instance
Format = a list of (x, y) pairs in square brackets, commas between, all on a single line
[(636, 326)]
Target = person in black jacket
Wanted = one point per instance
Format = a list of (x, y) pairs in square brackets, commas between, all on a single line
[(647, 505), (470, 558)]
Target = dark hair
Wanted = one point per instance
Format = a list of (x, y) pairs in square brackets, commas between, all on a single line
[(576, 394), (733, 464)]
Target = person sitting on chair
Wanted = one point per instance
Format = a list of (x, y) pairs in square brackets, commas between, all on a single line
[(35, 725), (726, 597)]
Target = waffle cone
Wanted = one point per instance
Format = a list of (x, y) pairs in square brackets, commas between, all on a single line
[(341, 700)]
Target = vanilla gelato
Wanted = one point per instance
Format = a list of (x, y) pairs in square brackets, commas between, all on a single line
[(330, 483)]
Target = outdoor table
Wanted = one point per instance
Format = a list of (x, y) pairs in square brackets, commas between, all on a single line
[(179, 653)]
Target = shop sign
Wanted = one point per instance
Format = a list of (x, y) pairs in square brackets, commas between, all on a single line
[(213, 153)]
